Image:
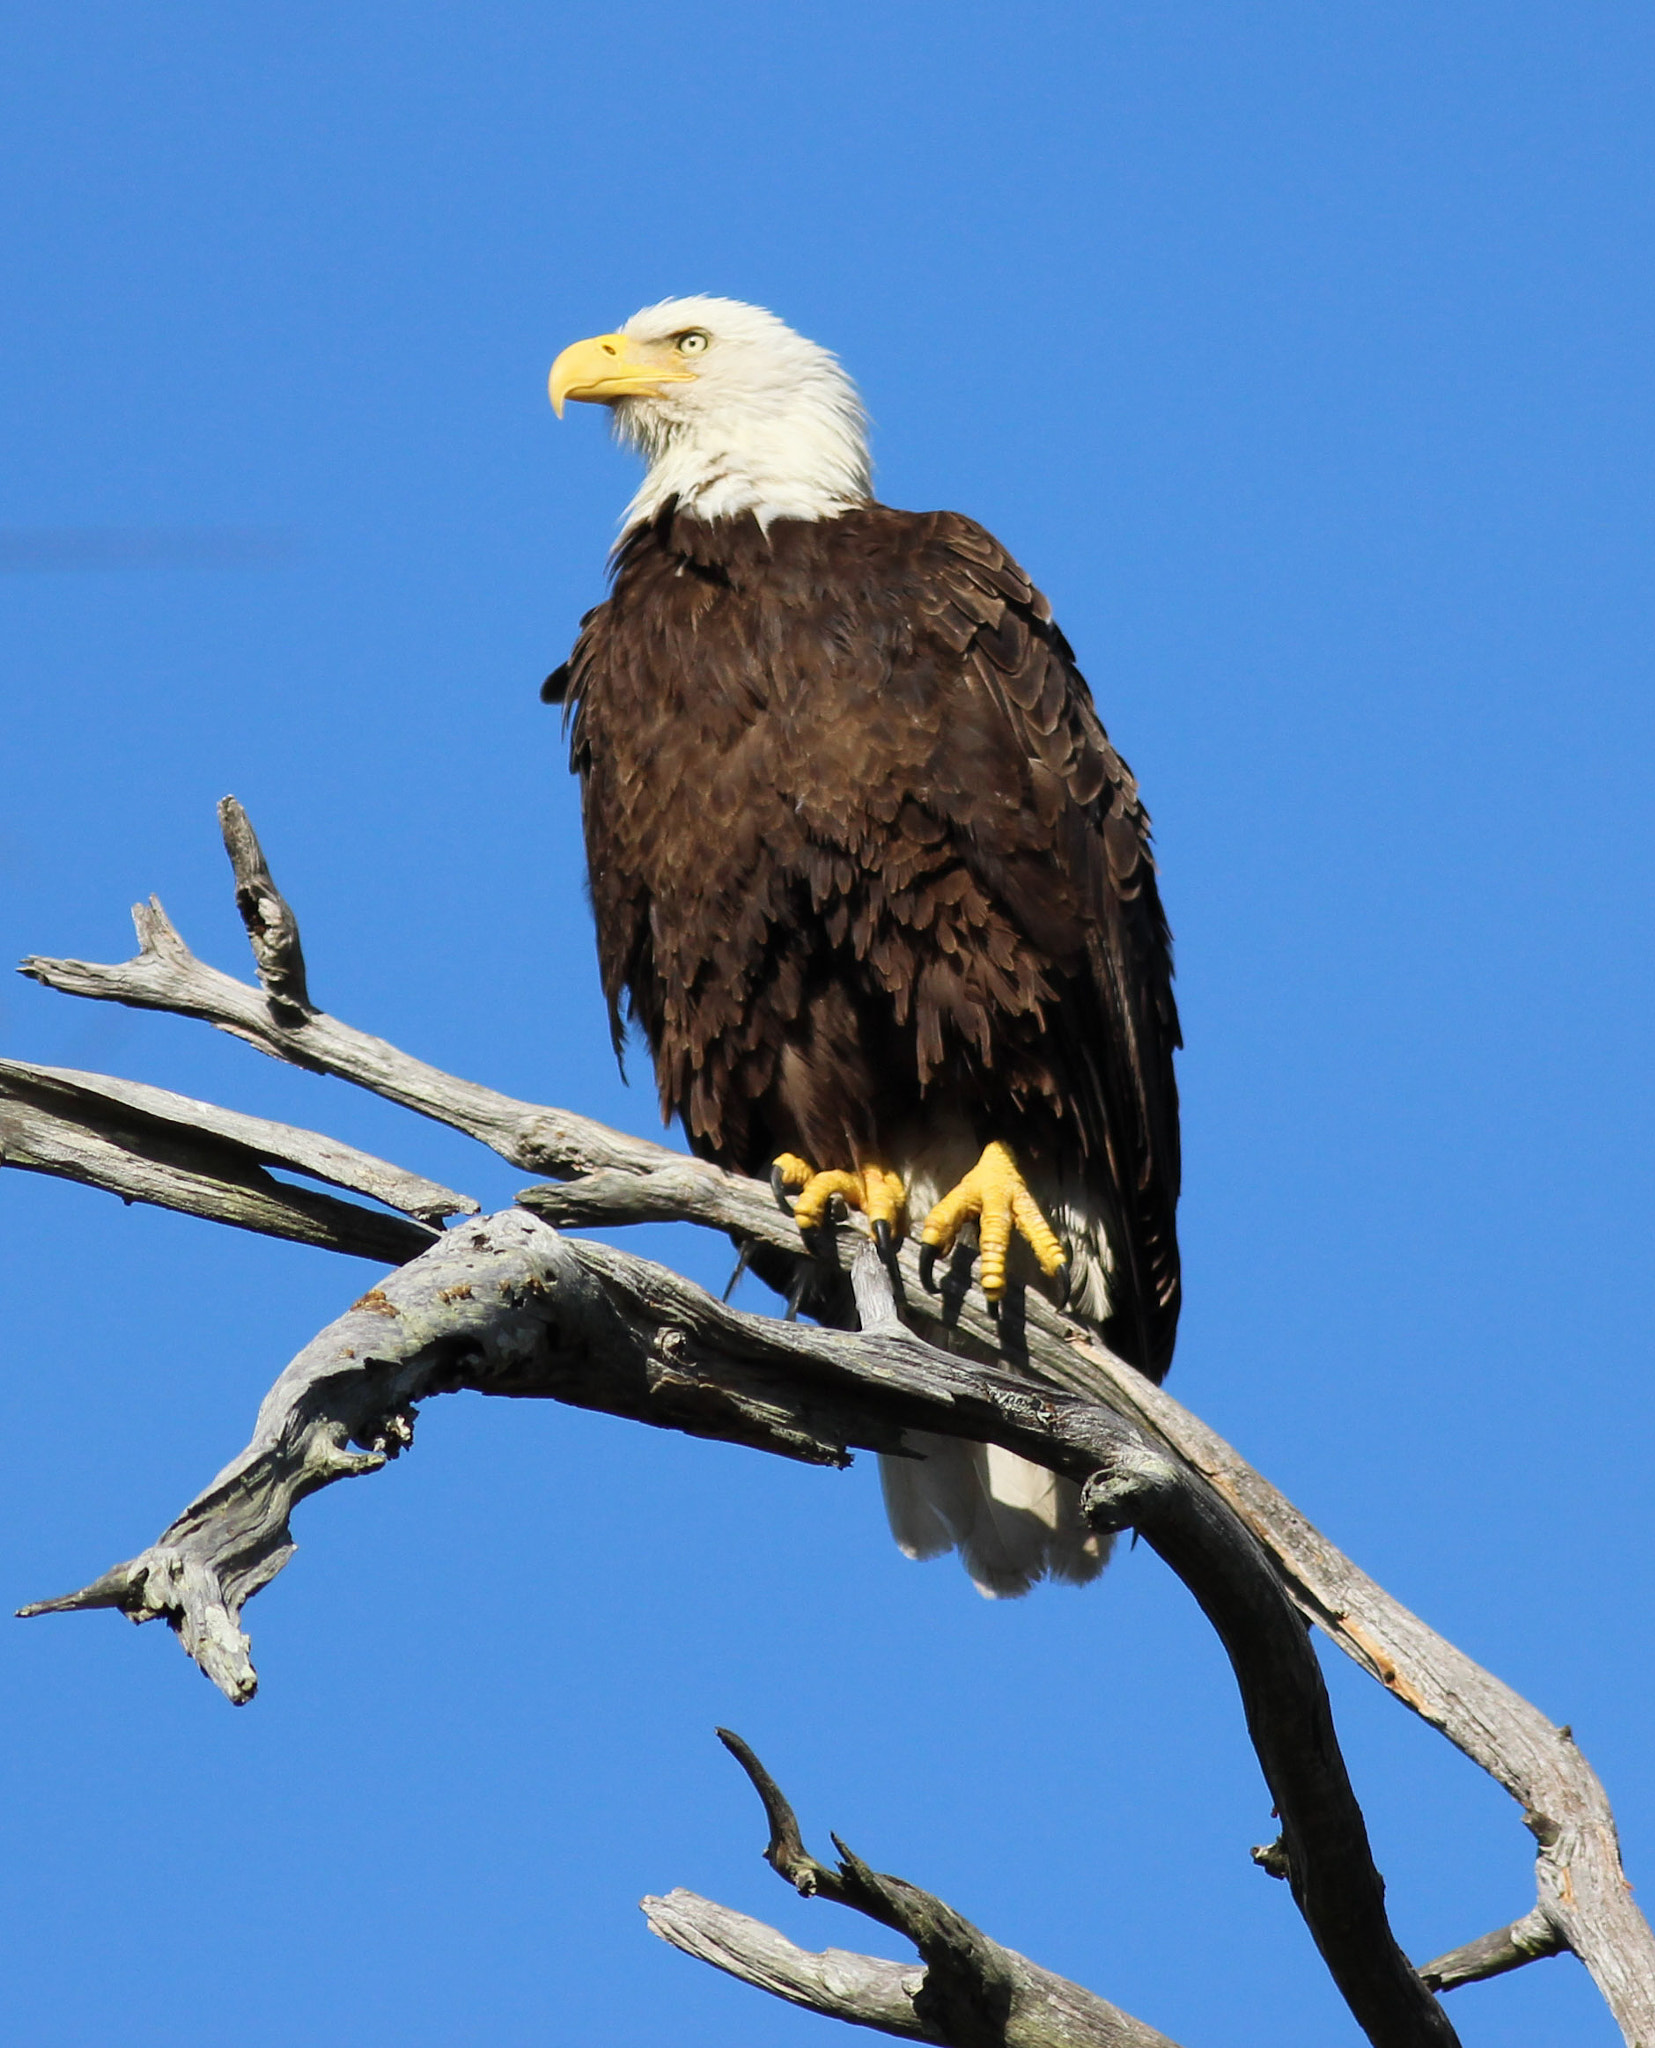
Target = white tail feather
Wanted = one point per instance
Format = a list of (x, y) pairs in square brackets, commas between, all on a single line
[(1013, 1523)]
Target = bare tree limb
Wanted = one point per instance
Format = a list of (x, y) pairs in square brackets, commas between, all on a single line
[(785, 1852), (864, 1991), (509, 1306), (1525, 1941), (1582, 1889), (1290, 1719), (972, 1993), (272, 929), (505, 1306), (149, 1145), (166, 975)]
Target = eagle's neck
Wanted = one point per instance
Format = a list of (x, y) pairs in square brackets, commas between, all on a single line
[(797, 454)]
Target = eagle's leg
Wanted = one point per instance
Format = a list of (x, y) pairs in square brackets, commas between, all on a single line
[(879, 1194), (998, 1196)]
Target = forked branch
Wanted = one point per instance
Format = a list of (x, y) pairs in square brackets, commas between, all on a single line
[(971, 1992)]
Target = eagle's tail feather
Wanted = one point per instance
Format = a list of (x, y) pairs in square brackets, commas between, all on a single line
[(1013, 1523)]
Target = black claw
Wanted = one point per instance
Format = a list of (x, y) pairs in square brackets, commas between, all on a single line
[(993, 1301), (883, 1239), (778, 1187), (740, 1268), (928, 1268), (1064, 1277)]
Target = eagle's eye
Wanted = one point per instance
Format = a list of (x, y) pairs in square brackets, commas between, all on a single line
[(694, 343)]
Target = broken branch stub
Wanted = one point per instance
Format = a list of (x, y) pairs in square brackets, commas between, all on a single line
[(272, 928)]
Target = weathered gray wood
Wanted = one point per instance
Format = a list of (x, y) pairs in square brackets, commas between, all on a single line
[(868, 1991), (98, 1101), (865, 1991), (509, 1306), (165, 975), (1324, 1839), (1508, 1948), (272, 929), (149, 1145), (970, 1993), (1582, 1888), (505, 1306)]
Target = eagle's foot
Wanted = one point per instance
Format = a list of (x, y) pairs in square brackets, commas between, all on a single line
[(995, 1193), (879, 1195)]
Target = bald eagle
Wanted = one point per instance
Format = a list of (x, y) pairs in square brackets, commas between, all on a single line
[(869, 875)]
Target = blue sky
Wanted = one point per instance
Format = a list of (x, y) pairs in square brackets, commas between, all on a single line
[(1301, 353)]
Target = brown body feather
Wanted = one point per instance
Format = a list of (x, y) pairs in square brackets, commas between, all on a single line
[(864, 863)]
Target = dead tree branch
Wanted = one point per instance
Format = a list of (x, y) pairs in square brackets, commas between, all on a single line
[(1290, 1720), (509, 1306), (972, 1993), (864, 1991), (502, 1306), (272, 928), (1508, 1948), (149, 1145), (1583, 1898), (166, 975)]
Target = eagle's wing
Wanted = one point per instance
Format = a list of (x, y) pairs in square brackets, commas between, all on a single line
[(1073, 860)]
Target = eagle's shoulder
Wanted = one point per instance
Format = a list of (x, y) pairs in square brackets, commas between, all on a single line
[(971, 592)]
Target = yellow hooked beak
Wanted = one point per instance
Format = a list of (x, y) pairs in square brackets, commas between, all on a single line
[(612, 366)]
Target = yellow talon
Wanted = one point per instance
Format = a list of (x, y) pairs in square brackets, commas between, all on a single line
[(788, 1170), (997, 1195), (812, 1206), (879, 1195)]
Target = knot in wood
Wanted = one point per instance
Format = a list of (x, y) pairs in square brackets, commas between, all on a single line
[(390, 1434), (1546, 1831), (1136, 1475), (1017, 1406)]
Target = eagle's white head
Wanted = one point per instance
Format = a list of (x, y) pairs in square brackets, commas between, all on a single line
[(731, 409)]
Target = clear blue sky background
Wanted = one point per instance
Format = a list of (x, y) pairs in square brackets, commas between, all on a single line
[(1302, 354)]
